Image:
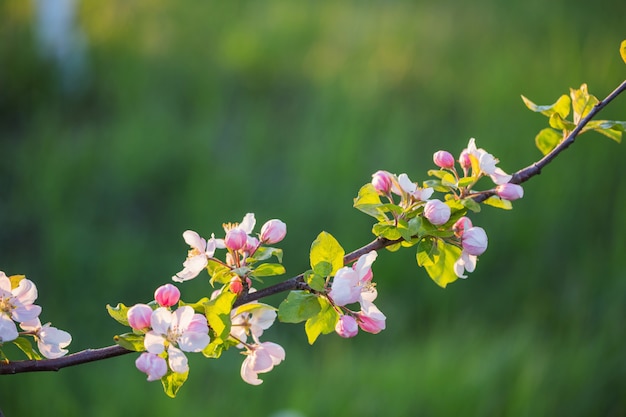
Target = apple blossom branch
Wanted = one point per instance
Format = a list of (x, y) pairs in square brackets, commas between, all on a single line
[(298, 282)]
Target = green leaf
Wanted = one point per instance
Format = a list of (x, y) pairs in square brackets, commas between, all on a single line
[(497, 202), (547, 139), (427, 252), (368, 201), (466, 182), (198, 306), (582, 102), (26, 346), (263, 253), (217, 312), (326, 249), (298, 306), (119, 313), (442, 270), (131, 341), (322, 323), (219, 273), (268, 270), (561, 106), (622, 51), (217, 346), (172, 381), (395, 247), (557, 122), (388, 231), (315, 281), (470, 204), (323, 269), (610, 128)]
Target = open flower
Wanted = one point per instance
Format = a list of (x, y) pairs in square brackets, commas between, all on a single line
[(406, 186), (198, 256), (50, 340), (466, 262), (487, 163), (182, 328), (16, 304), (251, 319), (152, 365), (349, 283), (260, 358)]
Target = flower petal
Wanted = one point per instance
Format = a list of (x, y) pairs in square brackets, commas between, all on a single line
[(8, 330), (177, 360), (154, 342)]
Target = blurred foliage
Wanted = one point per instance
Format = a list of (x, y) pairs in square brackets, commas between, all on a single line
[(194, 113)]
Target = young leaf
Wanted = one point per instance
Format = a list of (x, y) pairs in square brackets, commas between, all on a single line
[(582, 102), (131, 341), (622, 50), (322, 323), (217, 312), (496, 201), (326, 249), (263, 253), (368, 201), (315, 281), (388, 231), (427, 252), (561, 106), (298, 306), (547, 139), (442, 270), (119, 313), (26, 346), (610, 128), (172, 381), (268, 270)]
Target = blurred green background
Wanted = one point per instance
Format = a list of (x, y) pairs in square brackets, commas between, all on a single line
[(189, 114)]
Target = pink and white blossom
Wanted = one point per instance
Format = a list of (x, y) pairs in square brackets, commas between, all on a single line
[(371, 320), (139, 316), (437, 212), (151, 364), (474, 241), (487, 163), (273, 231), (461, 225), (167, 295), (260, 358), (349, 283), (443, 159), (51, 341), (346, 326), (466, 262), (509, 191), (404, 185), (382, 182), (16, 305), (177, 332), (198, 256), (251, 319)]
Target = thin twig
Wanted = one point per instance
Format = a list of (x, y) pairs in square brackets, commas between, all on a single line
[(297, 282)]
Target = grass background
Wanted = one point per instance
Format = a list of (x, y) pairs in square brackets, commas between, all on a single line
[(193, 113)]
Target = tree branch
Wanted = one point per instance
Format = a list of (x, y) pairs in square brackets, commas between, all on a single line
[(297, 282)]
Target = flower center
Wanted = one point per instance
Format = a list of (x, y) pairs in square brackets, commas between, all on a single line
[(6, 306)]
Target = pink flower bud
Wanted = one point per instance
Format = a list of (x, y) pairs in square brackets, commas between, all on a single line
[(509, 191), (236, 286), (252, 244), (372, 323), (464, 159), (273, 231), (167, 295), (437, 212), (382, 182), (461, 225), (346, 326), (153, 365), (235, 239), (474, 241), (443, 159), (139, 316)]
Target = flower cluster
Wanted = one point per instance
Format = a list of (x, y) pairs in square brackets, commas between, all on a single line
[(439, 226), (17, 297), (351, 285)]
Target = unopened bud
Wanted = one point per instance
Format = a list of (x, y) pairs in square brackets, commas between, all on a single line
[(509, 191), (347, 326), (139, 316), (465, 160), (273, 231), (474, 241), (235, 239), (461, 225), (443, 159), (167, 295), (382, 182), (437, 212)]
